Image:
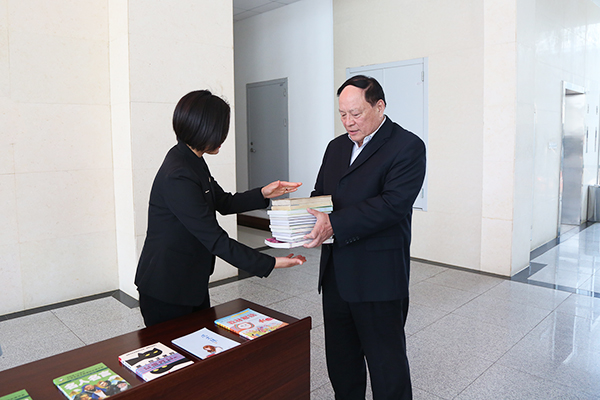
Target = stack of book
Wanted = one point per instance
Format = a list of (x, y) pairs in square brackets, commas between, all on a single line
[(290, 222)]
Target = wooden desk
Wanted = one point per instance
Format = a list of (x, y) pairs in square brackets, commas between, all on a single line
[(274, 366)]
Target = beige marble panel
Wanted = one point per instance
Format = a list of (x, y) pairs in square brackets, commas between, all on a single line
[(118, 18), (500, 24), (499, 161), (437, 236), (57, 69), (59, 269), (142, 184), (66, 18), (4, 53), (496, 246), (9, 234), (62, 137), (128, 258), (11, 295), (500, 75), (54, 205), (9, 120), (152, 134), (208, 22), (433, 29), (119, 72), (177, 67)]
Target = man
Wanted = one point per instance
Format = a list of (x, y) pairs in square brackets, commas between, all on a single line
[(374, 174)]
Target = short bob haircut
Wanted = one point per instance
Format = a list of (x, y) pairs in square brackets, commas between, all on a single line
[(373, 90), (201, 120)]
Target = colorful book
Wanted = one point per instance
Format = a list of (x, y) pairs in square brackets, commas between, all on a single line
[(95, 382), (153, 361), (20, 395), (250, 324), (204, 343)]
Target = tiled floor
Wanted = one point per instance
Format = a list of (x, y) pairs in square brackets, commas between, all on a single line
[(470, 336)]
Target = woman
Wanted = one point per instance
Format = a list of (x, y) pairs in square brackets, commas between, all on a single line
[(183, 235)]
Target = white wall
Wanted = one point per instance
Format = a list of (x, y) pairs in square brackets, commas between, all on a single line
[(563, 44), (295, 41), (496, 69)]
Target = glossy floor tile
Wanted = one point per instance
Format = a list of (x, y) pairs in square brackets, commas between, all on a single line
[(469, 336)]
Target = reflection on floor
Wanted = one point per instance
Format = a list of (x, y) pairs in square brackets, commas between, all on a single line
[(470, 336), (572, 265)]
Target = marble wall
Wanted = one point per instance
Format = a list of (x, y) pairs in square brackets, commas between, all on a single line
[(495, 79), (57, 240), (87, 91)]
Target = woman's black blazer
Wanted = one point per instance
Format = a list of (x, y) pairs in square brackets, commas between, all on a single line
[(183, 235)]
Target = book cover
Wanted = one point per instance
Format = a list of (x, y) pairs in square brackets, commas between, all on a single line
[(316, 206), (326, 199), (20, 395), (95, 382), (298, 210), (204, 343), (278, 244), (153, 361), (292, 228), (250, 324)]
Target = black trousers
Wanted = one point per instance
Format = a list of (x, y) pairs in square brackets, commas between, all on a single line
[(155, 311), (368, 330)]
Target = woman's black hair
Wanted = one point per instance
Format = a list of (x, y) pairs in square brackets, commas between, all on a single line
[(373, 90), (201, 120)]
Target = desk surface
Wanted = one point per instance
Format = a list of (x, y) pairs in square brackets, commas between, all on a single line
[(276, 363)]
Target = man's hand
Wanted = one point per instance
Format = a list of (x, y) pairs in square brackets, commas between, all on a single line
[(322, 230)]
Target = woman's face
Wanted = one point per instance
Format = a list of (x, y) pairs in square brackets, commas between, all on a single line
[(214, 152)]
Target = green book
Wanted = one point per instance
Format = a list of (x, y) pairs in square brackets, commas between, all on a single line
[(20, 395), (97, 381)]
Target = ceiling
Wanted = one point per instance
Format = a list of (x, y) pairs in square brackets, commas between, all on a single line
[(248, 8)]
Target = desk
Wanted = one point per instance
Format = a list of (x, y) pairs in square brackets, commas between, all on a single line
[(274, 366)]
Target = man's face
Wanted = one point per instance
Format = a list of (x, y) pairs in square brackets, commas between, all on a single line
[(359, 117)]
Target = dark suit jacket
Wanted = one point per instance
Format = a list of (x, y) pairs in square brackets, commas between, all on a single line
[(372, 211), (183, 235)]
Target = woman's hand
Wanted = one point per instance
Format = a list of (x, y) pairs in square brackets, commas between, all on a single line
[(289, 261), (279, 188)]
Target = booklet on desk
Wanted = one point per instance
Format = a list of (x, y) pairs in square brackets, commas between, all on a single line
[(204, 343), (20, 395), (249, 323), (153, 361), (95, 382)]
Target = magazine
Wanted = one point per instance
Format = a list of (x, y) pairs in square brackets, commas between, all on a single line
[(249, 323), (95, 382), (204, 343), (20, 395), (153, 361)]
